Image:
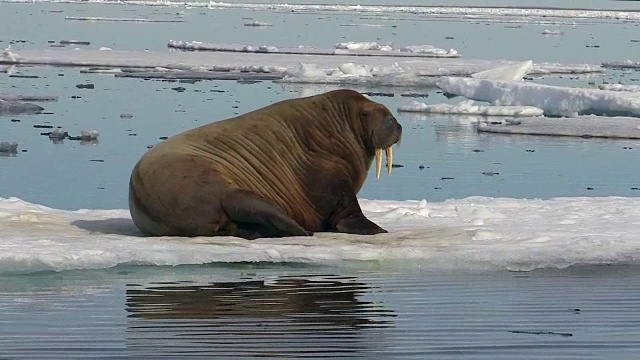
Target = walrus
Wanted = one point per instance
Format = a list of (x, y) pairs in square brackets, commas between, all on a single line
[(292, 168)]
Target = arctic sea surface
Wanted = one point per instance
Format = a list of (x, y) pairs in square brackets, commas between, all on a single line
[(513, 214)]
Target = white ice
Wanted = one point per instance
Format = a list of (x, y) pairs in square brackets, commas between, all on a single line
[(102, 18), (343, 48), (469, 108), (475, 233), (551, 32), (554, 100), (581, 126), (89, 134), (198, 45), (382, 70), (513, 72), (372, 45), (619, 87)]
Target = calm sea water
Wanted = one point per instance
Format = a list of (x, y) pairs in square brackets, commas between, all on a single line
[(358, 310)]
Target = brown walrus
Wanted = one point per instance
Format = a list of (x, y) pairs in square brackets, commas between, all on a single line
[(289, 169)]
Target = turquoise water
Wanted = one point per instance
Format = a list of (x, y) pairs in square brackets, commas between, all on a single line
[(287, 310), (68, 176)]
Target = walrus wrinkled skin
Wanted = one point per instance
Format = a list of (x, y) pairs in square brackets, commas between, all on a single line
[(289, 169)]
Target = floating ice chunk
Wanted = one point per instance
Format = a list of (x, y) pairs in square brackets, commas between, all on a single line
[(355, 75), (18, 107), (363, 25), (551, 32), (201, 46), (469, 108), (619, 87), (102, 18), (89, 134), (94, 70), (350, 45), (554, 100), (555, 68), (429, 49), (257, 24), (259, 49), (58, 134), (9, 55), (104, 48), (627, 64), (8, 147), (513, 72), (10, 97), (581, 126)]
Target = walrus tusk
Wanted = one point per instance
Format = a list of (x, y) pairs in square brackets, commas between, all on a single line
[(378, 162), (389, 154), (389, 159)]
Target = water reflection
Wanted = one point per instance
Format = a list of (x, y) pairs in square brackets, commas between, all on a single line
[(288, 316)]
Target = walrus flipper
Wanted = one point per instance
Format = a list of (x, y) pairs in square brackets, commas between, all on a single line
[(257, 217), (351, 220)]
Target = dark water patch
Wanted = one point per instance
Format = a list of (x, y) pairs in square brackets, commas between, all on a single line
[(280, 311)]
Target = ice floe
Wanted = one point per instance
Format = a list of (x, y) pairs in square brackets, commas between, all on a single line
[(119, 19), (470, 108), (476, 233), (619, 87), (278, 62), (581, 126), (344, 48), (18, 107), (513, 72), (554, 100)]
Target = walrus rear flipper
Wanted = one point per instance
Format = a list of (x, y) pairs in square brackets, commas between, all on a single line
[(257, 217)]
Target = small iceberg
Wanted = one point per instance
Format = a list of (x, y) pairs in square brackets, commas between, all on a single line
[(86, 135), (554, 100), (8, 148), (18, 107)]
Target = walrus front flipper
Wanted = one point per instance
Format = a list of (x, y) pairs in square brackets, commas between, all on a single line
[(351, 220), (256, 217)]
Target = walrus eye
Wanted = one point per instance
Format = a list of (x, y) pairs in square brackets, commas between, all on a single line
[(364, 115)]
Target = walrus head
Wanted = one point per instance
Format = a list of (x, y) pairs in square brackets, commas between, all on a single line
[(381, 131)]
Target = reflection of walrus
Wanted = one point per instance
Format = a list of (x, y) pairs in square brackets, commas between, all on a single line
[(288, 169), (332, 301)]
